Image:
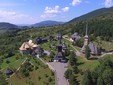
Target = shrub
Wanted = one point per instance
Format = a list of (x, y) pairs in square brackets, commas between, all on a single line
[(46, 75), (7, 61), (17, 57), (36, 67), (50, 79), (39, 78), (52, 73)]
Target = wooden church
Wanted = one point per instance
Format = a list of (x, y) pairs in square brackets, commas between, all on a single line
[(93, 48), (60, 57)]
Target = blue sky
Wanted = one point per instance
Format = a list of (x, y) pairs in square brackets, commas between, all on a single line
[(33, 11)]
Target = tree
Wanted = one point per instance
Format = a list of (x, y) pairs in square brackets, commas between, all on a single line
[(67, 52), (52, 54), (2, 79), (7, 61), (26, 68), (107, 76), (68, 73), (79, 42), (75, 69), (73, 81), (49, 79), (72, 59), (87, 52), (94, 76), (103, 74), (100, 81), (72, 54), (87, 79)]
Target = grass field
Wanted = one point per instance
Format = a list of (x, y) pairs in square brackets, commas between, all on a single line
[(41, 76), (70, 43), (46, 46), (108, 46), (13, 63), (83, 65)]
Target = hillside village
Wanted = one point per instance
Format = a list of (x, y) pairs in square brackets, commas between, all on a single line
[(59, 51), (35, 49), (55, 52), (74, 53)]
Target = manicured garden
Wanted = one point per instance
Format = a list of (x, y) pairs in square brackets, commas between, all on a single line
[(40, 75), (12, 62)]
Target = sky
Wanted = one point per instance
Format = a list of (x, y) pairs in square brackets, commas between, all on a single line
[(34, 11)]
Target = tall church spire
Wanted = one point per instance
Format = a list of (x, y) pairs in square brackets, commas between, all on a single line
[(86, 38), (86, 35), (86, 28)]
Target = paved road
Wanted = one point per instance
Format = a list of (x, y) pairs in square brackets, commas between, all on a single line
[(60, 69)]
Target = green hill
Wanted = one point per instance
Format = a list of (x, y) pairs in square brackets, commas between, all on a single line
[(93, 14), (7, 26), (47, 23), (100, 24)]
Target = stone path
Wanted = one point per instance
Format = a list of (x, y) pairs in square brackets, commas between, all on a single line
[(60, 69), (77, 52), (47, 52), (106, 54), (17, 69)]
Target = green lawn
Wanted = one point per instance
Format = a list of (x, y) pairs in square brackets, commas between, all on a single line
[(67, 41), (70, 43), (46, 58), (17, 63), (13, 63), (46, 45), (43, 72), (106, 45), (83, 65)]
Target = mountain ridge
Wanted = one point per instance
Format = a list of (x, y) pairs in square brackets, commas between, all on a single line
[(92, 14), (47, 23), (8, 26)]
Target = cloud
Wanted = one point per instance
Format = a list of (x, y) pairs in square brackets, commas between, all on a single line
[(14, 17), (11, 14), (51, 12), (108, 3), (75, 2), (65, 9)]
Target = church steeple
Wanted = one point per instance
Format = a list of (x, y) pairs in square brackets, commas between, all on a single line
[(86, 38), (86, 35)]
